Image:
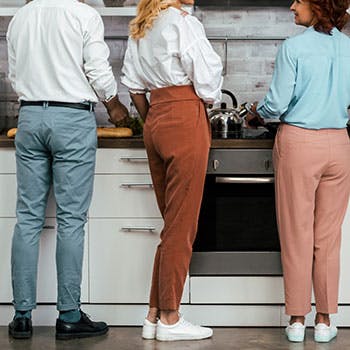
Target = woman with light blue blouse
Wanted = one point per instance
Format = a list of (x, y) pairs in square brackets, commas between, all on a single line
[(310, 93)]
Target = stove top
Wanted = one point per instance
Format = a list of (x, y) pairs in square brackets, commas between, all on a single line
[(260, 133)]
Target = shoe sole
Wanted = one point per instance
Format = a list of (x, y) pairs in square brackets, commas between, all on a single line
[(323, 340), (20, 335), (295, 340), (148, 337), (185, 337), (68, 336)]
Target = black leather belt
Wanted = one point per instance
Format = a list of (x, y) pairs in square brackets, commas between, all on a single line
[(88, 107)]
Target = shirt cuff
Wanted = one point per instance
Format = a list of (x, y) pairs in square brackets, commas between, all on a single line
[(262, 110)]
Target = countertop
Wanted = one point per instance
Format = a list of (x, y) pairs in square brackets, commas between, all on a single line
[(137, 142)]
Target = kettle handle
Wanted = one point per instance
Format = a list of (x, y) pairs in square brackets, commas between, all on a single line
[(233, 98)]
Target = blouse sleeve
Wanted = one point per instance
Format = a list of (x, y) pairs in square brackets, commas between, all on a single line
[(200, 62), (277, 100), (130, 78)]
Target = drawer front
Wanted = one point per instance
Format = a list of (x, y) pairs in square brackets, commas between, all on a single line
[(240, 161), (7, 161), (121, 161), (122, 274), (237, 290), (123, 196), (8, 190)]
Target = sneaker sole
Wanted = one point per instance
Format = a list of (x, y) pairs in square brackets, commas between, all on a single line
[(323, 340), (295, 339), (68, 336), (184, 337), (148, 336)]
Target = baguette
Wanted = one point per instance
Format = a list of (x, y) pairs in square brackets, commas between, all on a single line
[(114, 132), (11, 133)]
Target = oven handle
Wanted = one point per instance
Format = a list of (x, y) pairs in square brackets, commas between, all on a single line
[(244, 180)]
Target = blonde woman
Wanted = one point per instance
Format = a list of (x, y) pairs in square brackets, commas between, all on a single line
[(169, 55)]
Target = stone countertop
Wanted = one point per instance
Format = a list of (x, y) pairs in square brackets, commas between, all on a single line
[(137, 142)]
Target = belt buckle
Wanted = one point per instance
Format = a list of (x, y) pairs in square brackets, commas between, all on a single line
[(46, 104)]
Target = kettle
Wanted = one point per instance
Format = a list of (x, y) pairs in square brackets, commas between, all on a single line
[(226, 122)]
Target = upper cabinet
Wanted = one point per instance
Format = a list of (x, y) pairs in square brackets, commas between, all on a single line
[(244, 3), (104, 7)]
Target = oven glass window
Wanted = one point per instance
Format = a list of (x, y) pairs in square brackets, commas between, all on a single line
[(237, 217)]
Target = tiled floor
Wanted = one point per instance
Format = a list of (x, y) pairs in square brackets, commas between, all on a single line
[(120, 338)]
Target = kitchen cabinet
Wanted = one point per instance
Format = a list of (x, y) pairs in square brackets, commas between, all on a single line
[(344, 286), (237, 290), (124, 224), (47, 266)]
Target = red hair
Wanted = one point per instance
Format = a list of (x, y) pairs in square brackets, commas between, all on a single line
[(330, 14)]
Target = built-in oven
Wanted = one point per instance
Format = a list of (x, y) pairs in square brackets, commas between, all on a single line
[(237, 231)]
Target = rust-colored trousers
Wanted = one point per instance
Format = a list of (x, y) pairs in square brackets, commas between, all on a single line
[(177, 140), (312, 170)]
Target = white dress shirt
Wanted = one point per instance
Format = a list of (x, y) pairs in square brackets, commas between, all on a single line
[(174, 52), (56, 52)]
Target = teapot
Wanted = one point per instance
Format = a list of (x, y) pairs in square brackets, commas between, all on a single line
[(226, 122)]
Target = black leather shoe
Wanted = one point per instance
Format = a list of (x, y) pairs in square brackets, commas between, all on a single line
[(81, 329), (21, 328)]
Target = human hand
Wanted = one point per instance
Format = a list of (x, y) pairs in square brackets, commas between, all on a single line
[(116, 110), (253, 119)]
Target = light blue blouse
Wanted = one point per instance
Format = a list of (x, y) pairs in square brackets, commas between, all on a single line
[(311, 81)]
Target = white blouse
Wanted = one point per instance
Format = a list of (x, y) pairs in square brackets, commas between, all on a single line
[(176, 52)]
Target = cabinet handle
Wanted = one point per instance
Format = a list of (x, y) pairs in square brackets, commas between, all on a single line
[(49, 227), (145, 186), (244, 180), (139, 229), (134, 159)]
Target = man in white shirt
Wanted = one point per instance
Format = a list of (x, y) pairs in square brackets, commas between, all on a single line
[(58, 66)]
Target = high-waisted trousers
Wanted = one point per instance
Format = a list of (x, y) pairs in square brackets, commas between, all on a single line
[(312, 170), (177, 140)]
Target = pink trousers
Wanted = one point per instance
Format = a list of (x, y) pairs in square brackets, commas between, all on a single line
[(312, 170)]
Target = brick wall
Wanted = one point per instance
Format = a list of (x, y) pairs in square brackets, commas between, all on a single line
[(251, 37)]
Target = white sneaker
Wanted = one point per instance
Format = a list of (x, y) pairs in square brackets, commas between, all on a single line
[(149, 329), (182, 330), (324, 333), (295, 332)]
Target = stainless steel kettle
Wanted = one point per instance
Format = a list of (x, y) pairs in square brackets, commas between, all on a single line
[(226, 122)]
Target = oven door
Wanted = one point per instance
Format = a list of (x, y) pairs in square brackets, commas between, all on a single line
[(237, 231)]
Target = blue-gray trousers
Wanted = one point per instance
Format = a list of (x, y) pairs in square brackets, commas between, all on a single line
[(57, 146)]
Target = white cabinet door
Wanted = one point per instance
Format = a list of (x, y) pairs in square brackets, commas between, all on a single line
[(46, 290), (236, 290), (344, 291), (123, 196), (121, 161), (8, 192), (7, 161), (121, 259)]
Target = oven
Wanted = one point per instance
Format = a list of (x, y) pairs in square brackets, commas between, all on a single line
[(237, 230)]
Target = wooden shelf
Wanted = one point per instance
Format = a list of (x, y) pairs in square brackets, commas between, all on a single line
[(104, 11)]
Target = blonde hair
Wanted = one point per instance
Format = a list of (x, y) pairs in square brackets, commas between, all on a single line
[(147, 12)]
